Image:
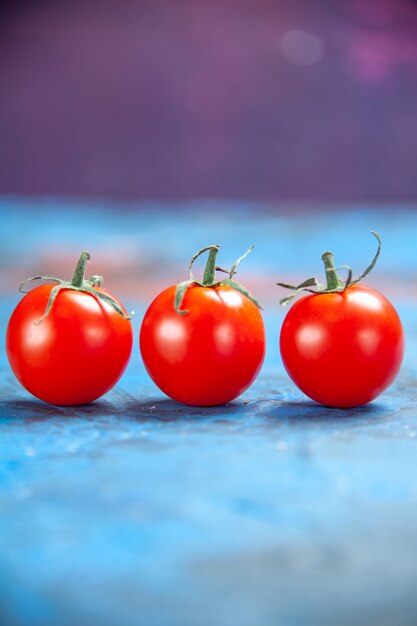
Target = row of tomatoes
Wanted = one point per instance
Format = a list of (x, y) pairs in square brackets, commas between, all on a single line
[(203, 342)]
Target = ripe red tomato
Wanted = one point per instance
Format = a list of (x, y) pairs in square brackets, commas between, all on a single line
[(210, 354), (76, 352), (342, 349)]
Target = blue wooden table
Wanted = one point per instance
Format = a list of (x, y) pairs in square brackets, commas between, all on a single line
[(269, 511)]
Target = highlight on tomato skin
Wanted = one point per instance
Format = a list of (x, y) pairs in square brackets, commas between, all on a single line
[(343, 344), (206, 346), (68, 343)]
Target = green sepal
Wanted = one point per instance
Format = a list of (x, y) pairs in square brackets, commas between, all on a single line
[(374, 260), (108, 299), (52, 296), (49, 279), (209, 278), (307, 285), (236, 263), (96, 281), (238, 287), (79, 283), (179, 295), (312, 285)]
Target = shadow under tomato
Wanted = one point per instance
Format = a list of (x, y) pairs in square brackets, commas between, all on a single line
[(36, 410), (166, 410), (308, 411), (126, 406), (32, 410)]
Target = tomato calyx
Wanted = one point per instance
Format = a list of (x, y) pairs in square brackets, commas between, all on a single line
[(209, 277), (78, 283), (333, 283)]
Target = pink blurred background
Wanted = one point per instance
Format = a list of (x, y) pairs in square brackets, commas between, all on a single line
[(291, 100)]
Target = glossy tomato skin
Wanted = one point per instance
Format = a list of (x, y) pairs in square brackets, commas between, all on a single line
[(342, 349), (208, 356), (76, 354)]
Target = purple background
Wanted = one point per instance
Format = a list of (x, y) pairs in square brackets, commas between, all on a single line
[(292, 100)]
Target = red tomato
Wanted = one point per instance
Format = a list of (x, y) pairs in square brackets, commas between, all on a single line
[(208, 356), (342, 349), (76, 353)]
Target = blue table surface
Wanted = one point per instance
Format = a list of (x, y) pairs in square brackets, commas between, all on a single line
[(269, 511)]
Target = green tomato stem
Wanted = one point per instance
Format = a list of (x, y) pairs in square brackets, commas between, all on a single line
[(332, 279), (209, 276), (79, 274)]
